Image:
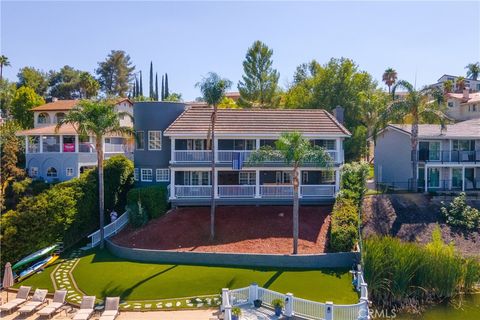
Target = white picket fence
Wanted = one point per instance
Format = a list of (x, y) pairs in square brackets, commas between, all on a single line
[(298, 307), (109, 230)]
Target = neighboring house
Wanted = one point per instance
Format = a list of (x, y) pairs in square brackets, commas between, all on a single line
[(62, 155), (463, 106), (152, 151), (473, 85), (449, 158), (237, 133)]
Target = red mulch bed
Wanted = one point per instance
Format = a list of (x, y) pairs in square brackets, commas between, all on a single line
[(239, 229)]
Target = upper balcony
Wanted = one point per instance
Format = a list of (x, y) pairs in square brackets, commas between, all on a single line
[(447, 156)]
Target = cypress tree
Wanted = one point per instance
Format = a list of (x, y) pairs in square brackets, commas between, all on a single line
[(134, 90), (156, 86), (152, 93), (166, 86), (163, 88), (137, 87), (141, 84)]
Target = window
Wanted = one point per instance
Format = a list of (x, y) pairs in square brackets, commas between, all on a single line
[(450, 104), (247, 178), (51, 143), (326, 144), (154, 140), (304, 177), (196, 144), (140, 140), (197, 178), (163, 175), (43, 118), (283, 177), (51, 172), (147, 175), (135, 174), (463, 145), (327, 176), (68, 143), (60, 116), (33, 172), (69, 172)]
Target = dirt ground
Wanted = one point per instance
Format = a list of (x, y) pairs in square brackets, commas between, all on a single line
[(245, 229), (413, 217)]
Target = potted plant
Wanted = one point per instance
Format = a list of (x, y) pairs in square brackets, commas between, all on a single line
[(236, 312), (278, 305), (257, 303)]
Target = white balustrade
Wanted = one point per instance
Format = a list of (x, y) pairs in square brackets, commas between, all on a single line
[(317, 190), (308, 308), (347, 312), (193, 191), (114, 148), (227, 155), (238, 297), (236, 191), (110, 229), (192, 155), (267, 296), (276, 191)]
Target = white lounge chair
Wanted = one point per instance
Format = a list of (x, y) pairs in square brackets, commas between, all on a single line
[(57, 303), (22, 296), (111, 308), (37, 301), (86, 308)]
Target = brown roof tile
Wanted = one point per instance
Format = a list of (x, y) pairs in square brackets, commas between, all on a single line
[(65, 129), (66, 105), (196, 120)]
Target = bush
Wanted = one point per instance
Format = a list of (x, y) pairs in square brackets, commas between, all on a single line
[(459, 214), (153, 199), (344, 225), (402, 274), (138, 216), (65, 212), (353, 183)]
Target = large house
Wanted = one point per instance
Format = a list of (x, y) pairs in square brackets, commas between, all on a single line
[(463, 106), (473, 85), (62, 155), (238, 132), (449, 157)]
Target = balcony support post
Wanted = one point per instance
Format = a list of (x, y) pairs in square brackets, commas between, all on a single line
[(61, 144), (425, 179), (26, 145), (172, 183), (463, 179), (41, 144), (172, 150), (257, 184)]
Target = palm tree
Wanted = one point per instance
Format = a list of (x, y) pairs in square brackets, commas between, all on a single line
[(416, 105), (295, 150), (3, 63), (447, 86), (389, 77), (97, 119), (213, 89), (473, 70), (460, 83)]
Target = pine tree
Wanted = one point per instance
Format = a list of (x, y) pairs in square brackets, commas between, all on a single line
[(166, 86), (141, 84), (115, 73), (156, 86), (152, 93), (163, 88), (260, 81)]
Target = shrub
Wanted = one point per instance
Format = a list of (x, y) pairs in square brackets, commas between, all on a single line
[(344, 225), (153, 199), (137, 214), (353, 181), (279, 303), (459, 214)]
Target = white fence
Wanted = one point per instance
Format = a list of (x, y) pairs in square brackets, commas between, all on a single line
[(227, 155), (192, 156), (297, 307), (110, 229), (236, 191), (193, 191), (317, 190), (274, 191)]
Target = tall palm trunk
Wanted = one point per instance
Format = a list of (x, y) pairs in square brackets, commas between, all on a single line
[(212, 178), (101, 195), (414, 142), (295, 209)]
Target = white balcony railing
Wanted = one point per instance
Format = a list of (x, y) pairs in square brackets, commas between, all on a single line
[(193, 191), (236, 191), (192, 156), (227, 155), (317, 190), (276, 191), (114, 148)]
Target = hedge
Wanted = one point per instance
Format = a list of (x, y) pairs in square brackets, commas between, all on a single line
[(66, 212), (344, 225), (146, 203)]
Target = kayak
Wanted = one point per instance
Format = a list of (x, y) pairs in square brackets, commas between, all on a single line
[(34, 256), (35, 267), (52, 260)]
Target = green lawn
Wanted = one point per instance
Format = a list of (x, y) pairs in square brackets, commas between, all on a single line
[(102, 274), (40, 280)]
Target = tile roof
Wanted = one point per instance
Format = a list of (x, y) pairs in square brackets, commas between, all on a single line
[(196, 120), (65, 129), (464, 129), (65, 105), (472, 97)]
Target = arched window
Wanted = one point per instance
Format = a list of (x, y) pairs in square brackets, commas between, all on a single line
[(43, 118), (51, 172), (59, 116)]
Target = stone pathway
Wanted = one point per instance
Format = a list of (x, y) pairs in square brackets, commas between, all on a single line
[(63, 280)]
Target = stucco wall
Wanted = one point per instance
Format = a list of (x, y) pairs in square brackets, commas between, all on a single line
[(326, 260)]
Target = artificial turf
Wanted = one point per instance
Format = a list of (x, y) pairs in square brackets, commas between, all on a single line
[(102, 274), (40, 280)]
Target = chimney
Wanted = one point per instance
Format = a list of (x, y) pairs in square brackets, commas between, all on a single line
[(466, 93), (338, 113)]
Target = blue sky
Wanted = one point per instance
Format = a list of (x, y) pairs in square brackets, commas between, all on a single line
[(189, 39)]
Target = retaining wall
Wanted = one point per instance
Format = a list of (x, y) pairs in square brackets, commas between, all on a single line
[(324, 260)]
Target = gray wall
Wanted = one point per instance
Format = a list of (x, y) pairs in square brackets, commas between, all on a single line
[(59, 161), (324, 260), (154, 116), (392, 157)]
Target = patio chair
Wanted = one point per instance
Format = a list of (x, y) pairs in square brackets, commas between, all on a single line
[(111, 308), (57, 303), (86, 308), (21, 297), (37, 301)]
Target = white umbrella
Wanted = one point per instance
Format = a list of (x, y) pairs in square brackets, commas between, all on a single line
[(7, 277)]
